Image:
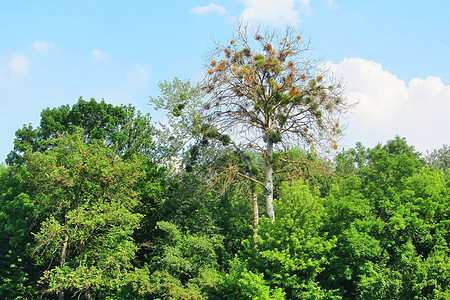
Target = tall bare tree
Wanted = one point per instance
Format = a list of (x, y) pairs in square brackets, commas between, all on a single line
[(267, 94)]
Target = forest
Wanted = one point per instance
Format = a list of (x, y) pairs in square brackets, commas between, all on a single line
[(243, 193)]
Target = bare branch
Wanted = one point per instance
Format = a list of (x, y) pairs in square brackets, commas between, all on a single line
[(252, 179)]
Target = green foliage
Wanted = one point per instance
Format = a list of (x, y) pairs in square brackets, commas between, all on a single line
[(240, 283), (294, 250), (63, 190), (169, 287), (86, 197), (143, 284), (18, 273), (87, 212), (393, 160), (121, 127), (185, 255), (234, 218), (390, 215), (191, 205), (14, 227), (191, 258), (188, 133), (152, 188), (183, 104)]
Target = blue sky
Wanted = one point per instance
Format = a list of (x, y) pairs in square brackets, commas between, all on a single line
[(393, 55)]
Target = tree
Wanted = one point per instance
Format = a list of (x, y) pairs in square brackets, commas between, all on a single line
[(183, 102), (389, 213), (241, 283), (265, 92), (191, 258), (204, 150), (188, 137), (85, 201), (18, 273), (295, 250), (440, 158), (123, 128)]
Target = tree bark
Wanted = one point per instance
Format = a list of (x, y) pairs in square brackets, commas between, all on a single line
[(255, 219), (269, 180), (62, 263)]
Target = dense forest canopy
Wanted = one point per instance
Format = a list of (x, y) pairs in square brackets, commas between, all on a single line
[(98, 202)]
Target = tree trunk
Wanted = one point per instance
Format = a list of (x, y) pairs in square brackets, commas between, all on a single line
[(62, 263), (269, 180), (255, 219)]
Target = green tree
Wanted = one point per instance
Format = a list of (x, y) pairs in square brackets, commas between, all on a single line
[(191, 258), (295, 250), (188, 137), (191, 205), (18, 273), (85, 198), (182, 102), (266, 92), (122, 128), (390, 215), (207, 167), (241, 283)]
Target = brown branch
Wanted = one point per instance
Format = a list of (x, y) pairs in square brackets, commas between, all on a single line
[(252, 179)]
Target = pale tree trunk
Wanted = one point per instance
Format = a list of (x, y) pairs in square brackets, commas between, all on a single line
[(269, 180), (255, 219), (62, 263)]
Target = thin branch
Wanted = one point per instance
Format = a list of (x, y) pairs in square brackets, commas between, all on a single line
[(252, 179)]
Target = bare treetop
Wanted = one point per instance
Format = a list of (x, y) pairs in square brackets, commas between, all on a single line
[(262, 85)]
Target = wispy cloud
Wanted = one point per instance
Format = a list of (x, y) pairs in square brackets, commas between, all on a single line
[(13, 69), (19, 65), (277, 13), (388, 106), (203, 10), (333, 4), (304, 4), (98, 56), (41, 46)]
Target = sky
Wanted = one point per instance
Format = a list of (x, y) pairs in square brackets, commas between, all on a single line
[(393, 57)]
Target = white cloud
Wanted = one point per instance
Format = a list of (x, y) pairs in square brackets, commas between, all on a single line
[(304, 4), (333, 4), (98, 56), (274, 12), (418, 110), (19, 65), (278, 13), (203, 10), (13, 69), (42, 46)]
